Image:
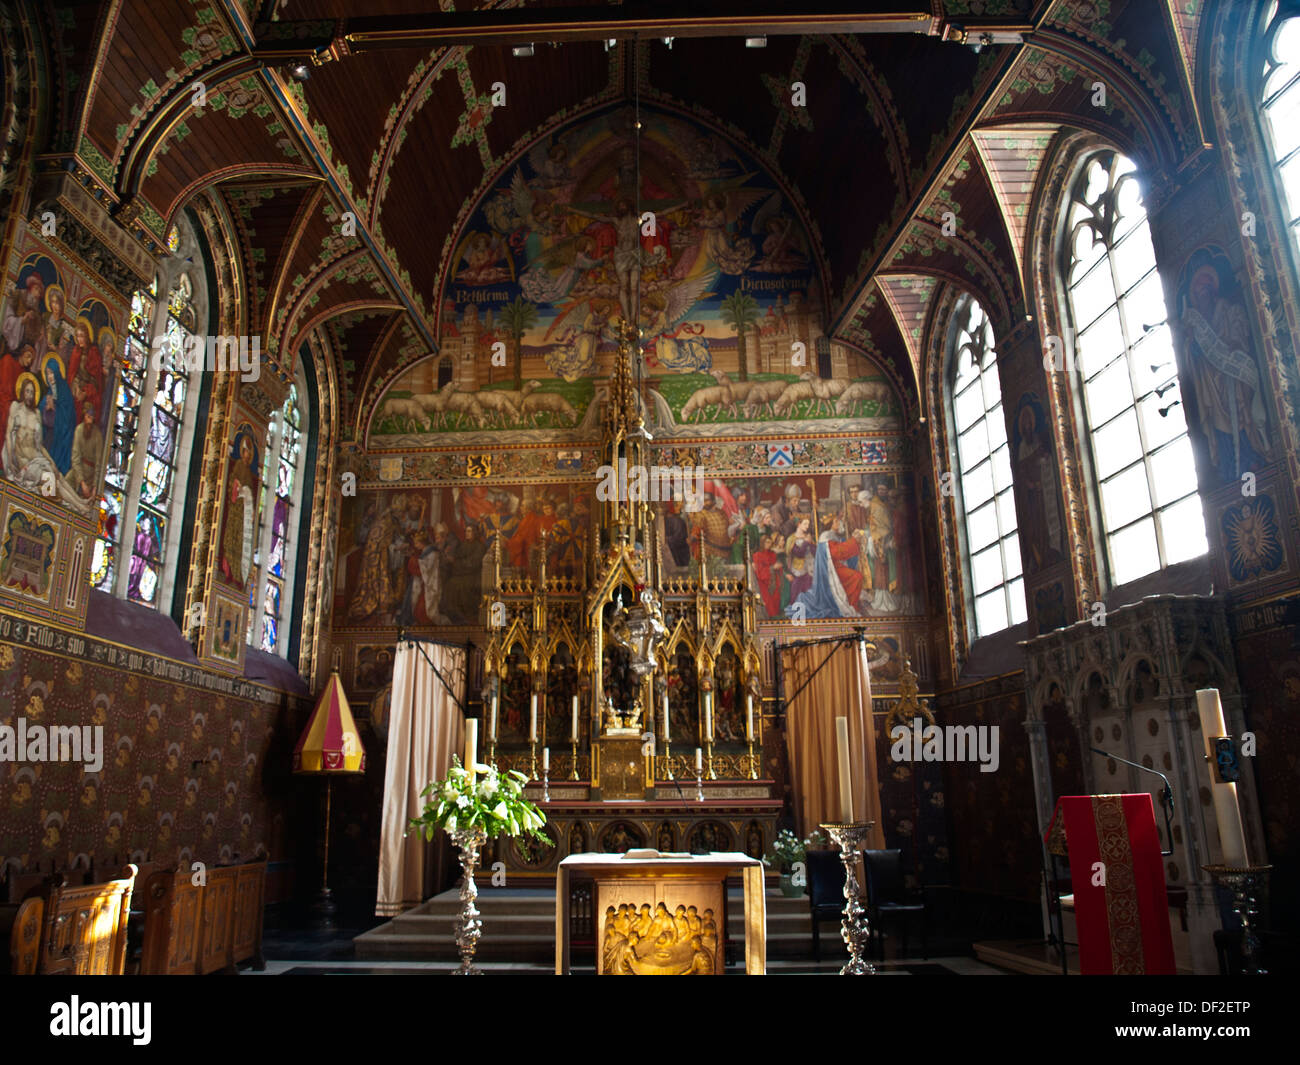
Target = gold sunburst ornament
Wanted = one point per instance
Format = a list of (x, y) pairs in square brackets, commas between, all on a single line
[(1251, 533)]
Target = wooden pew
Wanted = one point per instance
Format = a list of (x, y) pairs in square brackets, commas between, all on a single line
[(83, 928), (196, 929), (24, 931)]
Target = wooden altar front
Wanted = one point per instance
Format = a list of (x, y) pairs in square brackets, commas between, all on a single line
[(663, 916)]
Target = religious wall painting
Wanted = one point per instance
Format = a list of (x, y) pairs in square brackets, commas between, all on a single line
[(514, 713), (683, 697), (240, 501), (424, 556), (1222, 383), (28, 553), (829, 546), (226, 631), (728, 700), (373, 666), (1049, 607), (1041, 526), (1253, 539)]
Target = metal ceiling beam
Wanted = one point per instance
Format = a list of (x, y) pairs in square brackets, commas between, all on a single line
[(555, 25)]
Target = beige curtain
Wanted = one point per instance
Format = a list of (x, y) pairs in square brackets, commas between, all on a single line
[(840, 688), (425, 728)]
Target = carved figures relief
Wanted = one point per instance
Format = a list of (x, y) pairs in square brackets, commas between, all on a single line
[(654, 941), (55, 391), (1221, 363)]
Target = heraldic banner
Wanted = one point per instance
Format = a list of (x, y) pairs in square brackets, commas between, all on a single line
[(1120, 905)]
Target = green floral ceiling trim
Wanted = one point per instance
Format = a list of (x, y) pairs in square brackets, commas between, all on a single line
[(94, 160)]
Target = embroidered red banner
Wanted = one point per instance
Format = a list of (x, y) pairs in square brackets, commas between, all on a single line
[(1123, 924)]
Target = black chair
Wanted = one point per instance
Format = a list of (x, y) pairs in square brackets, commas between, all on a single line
[(825, 891), (887, 898)]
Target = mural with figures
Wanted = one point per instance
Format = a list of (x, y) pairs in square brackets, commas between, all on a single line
[(826, 547), (56, 363), (717, 271), (416, 557)]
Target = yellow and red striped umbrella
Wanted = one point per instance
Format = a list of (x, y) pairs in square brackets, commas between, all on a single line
[(329, 743)]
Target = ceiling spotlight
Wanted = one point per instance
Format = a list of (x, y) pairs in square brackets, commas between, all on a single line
[(522, 51), (755, 42), (300, 71), (1164, 411), (669, 42), (611, 43)]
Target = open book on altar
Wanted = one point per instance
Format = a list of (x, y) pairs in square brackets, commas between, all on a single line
[(643, 853)]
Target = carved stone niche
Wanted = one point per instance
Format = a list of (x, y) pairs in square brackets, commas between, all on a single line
[(1129, 688)]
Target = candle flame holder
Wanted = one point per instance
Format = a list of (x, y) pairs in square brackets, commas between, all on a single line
[(1244, 882)]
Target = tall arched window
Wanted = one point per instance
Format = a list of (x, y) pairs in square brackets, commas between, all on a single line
[(1280, 112), (153, 428), (271, 587), (1142, 459), (984, 473)]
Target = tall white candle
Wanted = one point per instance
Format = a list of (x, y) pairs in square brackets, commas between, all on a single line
[(1227, 810), (699, 760), (574, 736), (842, 756), (471, 743), (492, 725), (532, 720), (665, 724), (708, 716), (546, 758), (749, 717)]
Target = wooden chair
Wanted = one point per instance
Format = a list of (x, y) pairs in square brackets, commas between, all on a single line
[(84, 930), (25, 935)]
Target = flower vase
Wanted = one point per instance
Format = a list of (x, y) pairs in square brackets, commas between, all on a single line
[(468, 926), (789, 888)]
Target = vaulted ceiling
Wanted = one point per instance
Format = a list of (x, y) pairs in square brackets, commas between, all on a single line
[(346, 191)]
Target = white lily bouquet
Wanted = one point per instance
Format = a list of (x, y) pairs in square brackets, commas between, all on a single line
[(487, 799)]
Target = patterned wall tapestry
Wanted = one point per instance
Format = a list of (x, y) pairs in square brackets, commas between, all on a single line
[(187, 772)]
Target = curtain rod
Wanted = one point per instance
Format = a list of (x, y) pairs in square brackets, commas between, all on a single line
[(858, 635), (417, 641)]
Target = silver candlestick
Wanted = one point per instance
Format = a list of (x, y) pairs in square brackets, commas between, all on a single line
[(546, 784), (699, 785), (854, 929), (468, 927), (1244, 882)]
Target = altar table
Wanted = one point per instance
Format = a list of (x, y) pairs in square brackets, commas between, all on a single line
[(663, 916)]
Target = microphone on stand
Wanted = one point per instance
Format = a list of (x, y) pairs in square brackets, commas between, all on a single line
[(1166, 796)]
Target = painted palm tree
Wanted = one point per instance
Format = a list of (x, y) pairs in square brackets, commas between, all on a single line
[(518, 317), (740, 311)]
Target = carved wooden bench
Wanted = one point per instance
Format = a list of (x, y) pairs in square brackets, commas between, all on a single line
[(78, 930), (194, 929)]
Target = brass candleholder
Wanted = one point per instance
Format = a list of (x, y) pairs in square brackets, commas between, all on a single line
[(667, 759), (1244, 882), (753, 762), (708, 759), (468, 926), (532, 759), (854, 929), (573, 773)]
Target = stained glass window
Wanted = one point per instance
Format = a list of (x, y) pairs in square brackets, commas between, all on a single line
[(274, 569), (984, 474), (1280, 112), (132, 366), (162, 445), (1142, 458)]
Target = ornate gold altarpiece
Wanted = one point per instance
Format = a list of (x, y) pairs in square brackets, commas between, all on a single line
[(626, 780)]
